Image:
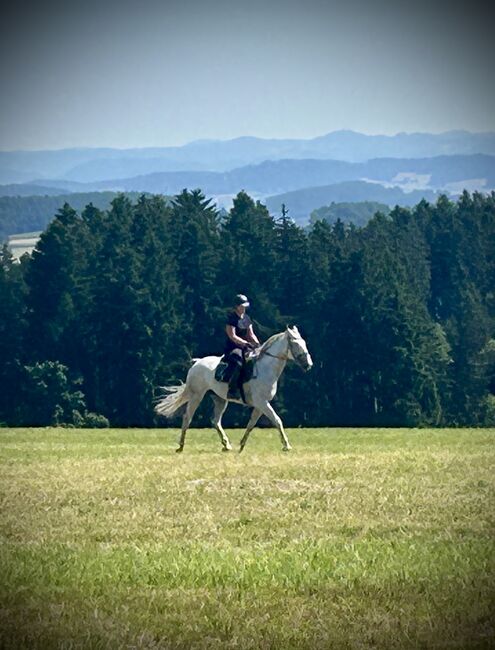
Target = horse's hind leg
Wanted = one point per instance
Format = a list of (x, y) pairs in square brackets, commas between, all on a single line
[(220, 405), (191, 407), (267, 409), (255, 416)]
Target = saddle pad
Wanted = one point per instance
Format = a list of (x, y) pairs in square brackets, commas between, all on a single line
[(219, 371), (248, 370)]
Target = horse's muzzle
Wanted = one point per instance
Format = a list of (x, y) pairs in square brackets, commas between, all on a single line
[(307, 365)]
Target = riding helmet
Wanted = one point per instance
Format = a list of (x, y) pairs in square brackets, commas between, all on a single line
[(241, 299)]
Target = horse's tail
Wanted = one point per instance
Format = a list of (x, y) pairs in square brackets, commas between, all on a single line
[(169, 404)]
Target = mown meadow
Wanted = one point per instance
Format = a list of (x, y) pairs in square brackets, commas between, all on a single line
[(358, 538)]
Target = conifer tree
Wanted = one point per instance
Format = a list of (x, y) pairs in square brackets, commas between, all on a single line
[(52, 281), (12, 331), (196, 248), (249, 258)]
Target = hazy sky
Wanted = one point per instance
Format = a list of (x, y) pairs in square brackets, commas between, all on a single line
[(148, 73)]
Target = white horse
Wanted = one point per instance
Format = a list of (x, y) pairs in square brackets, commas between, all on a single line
[(258, 391)]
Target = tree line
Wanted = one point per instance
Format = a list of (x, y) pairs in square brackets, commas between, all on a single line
[(399, 314), (20, 214)]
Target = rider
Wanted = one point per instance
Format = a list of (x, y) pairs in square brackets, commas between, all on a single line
[(240, 337)]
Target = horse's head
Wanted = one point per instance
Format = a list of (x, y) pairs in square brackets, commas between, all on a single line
[(298, 350)]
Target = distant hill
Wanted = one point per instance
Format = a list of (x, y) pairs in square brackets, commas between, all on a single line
[(301, 203), (28, 189), (446, 173), (357, 213), (302, 184), (33, 213), (92, 165)]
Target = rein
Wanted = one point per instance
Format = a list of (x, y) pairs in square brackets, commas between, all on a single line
[(275, 356), (296, 357)]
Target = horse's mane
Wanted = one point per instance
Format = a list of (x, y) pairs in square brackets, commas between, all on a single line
[(271, 340)]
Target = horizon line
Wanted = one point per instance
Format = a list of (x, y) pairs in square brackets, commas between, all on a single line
[(244, 137)]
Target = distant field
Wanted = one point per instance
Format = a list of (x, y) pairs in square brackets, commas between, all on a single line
[(371, 538)]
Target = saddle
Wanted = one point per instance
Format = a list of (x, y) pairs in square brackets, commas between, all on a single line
[(247, 370)]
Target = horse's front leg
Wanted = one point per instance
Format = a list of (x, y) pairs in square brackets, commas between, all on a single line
[(267, 409), (255, 416)]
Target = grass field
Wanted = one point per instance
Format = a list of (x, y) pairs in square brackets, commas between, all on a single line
[(371, 538)]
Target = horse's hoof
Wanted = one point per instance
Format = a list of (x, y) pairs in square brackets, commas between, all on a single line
[(226, 448), (179, 450), (241, 448), (288, 448)]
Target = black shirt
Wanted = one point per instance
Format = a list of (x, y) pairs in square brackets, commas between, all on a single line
[(241, 326)]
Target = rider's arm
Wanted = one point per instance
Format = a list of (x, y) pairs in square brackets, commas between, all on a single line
[(233, 336), (252, 336)]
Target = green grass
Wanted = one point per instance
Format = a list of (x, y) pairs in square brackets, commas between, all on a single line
[(372, 538)]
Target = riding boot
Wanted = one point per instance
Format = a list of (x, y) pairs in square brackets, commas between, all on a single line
[(231, 375)]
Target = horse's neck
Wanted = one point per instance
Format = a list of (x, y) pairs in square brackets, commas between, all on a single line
[(279, 347), (276, 357)]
